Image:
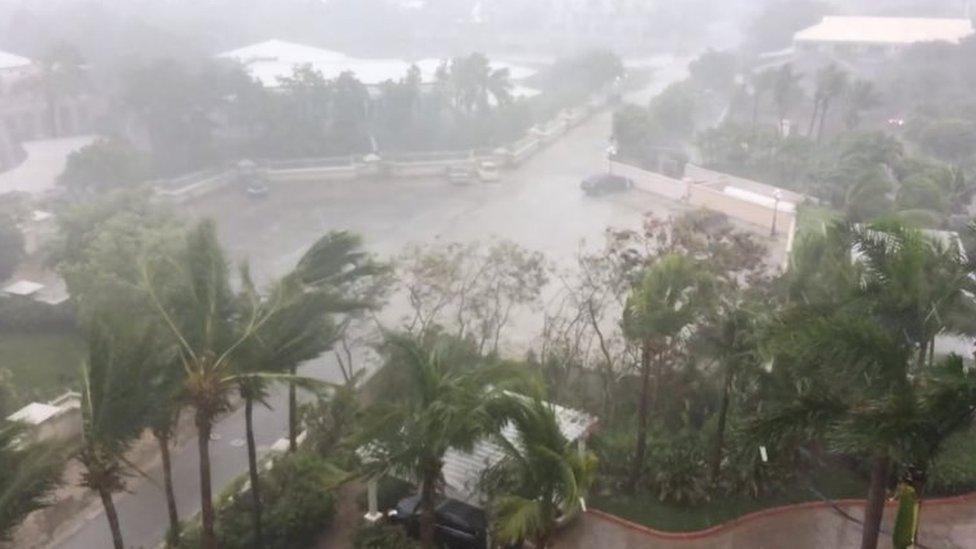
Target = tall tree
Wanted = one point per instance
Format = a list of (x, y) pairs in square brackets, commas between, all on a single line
[(785, 90), (444, 398), (542, 477), (671, 297), (28, 475), (852, 350), (123, 361), (861, 96), (832, 82)]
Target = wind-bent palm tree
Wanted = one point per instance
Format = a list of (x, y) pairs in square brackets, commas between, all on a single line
[(337, 266), (831, 83), (732, 339), (853, 349), (785, 88), (670, 299), (62, 75), (191, 293), (298, 328), (164, 418), (861, 96), (119, 376), (28, 475), (443, 399), (543, 476)]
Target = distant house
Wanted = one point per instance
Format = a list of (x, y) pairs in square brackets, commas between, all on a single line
[(273, 59), (856, 38)]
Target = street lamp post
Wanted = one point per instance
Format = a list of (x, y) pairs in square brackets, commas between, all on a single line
[(777, 195), (611, 152)]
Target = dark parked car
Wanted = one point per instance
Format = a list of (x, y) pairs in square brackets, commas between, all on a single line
[(458, 525), (605, 183)]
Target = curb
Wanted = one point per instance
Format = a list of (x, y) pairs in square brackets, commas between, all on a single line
[(764, 513)]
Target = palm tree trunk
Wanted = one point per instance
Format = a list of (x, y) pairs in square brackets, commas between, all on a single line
[(252, 464), (292, 414), (813, 117), (755, 108), (642, 412), (874, 511), (722, 420), (208, 538), (823, 119), (113, 518), (427, 501), (173, 535)]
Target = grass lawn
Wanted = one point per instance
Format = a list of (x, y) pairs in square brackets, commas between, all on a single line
[(648, 510), (42, 365)]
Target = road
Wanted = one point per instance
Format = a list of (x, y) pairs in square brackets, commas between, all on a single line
[(539, 206)]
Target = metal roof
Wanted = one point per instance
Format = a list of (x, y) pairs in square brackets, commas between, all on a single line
[(462, 470), (23, 288), (272, 59), (34, 413), (886, 30), (11, 61)]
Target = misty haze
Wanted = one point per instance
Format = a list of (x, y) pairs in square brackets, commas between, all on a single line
[(487, 274)]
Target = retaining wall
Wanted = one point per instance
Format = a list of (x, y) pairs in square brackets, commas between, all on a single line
[(708, 197), (652, 182)]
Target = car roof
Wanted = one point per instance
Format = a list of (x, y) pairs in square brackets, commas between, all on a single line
[(460, 514)]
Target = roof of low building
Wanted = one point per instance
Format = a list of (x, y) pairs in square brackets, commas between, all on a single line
[(34, 413), (462, 470), (273, 59), (886, 30), (11, 61), (23, 288)]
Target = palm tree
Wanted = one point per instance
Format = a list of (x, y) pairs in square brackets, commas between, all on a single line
[(785, 88), (762, 83), (215, 329), (732, 338), (164, 417), (191, 293), (861, 96), (543, 476), (831, 83), (852, 351), (443, 399), (671, 298), (28, 475), (116, 382), (298, 328), (62, 74), (336, 265)]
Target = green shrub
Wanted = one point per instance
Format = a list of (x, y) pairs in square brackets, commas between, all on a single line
[(298, 503), (382, 536), (954, 469)]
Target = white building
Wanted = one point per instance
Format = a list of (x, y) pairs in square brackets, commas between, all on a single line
[(877, 37), (273, 59)]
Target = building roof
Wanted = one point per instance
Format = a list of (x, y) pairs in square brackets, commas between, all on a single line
[(11, 61), (23, 288), (886, 30), (34, 413), (270, 60), (462, 470)]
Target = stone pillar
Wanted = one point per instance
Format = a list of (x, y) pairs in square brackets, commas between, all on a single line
[(373, 512)]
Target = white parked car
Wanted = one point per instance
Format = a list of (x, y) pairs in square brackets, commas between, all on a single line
[(488, 171)]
